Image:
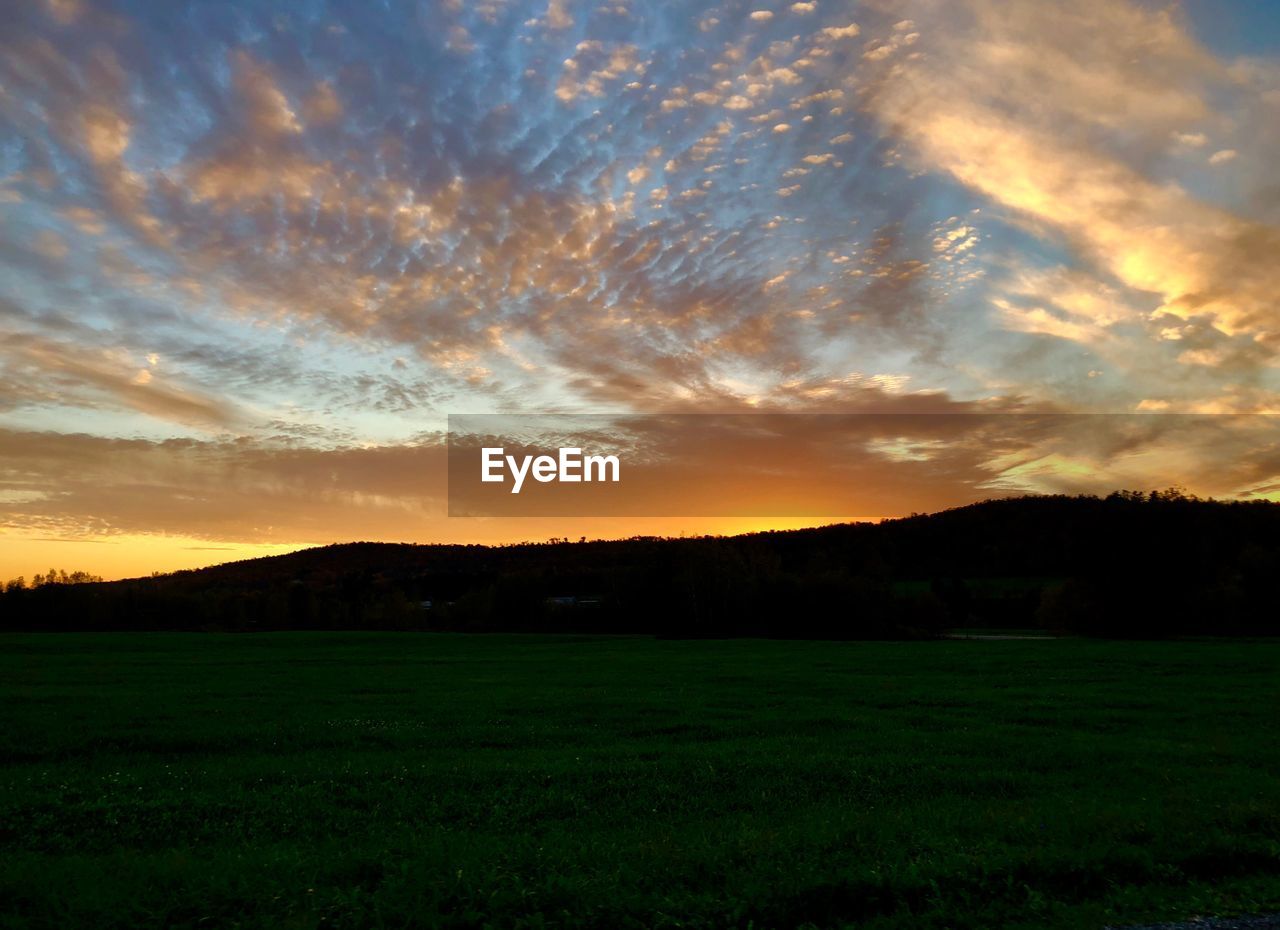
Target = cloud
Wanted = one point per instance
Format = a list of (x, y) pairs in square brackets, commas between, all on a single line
[(65, 11), (558, 16), (330, 226), (841, 32), (322, 107), (980, 107), (221, 490), (68, 373), (264, 108), (593, 65), (914, 449)]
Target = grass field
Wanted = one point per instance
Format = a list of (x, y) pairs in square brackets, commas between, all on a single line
[(384, 780)]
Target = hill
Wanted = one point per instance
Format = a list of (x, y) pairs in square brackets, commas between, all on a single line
[(1130, 564)]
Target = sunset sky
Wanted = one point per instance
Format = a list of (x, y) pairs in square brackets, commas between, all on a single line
[(252, 254)]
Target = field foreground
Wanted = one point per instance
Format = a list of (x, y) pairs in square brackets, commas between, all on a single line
[(390, 780)]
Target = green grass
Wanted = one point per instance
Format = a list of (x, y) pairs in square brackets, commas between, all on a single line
[(384, 780)]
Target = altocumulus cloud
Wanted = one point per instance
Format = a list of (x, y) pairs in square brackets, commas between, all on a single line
[(308, 233)]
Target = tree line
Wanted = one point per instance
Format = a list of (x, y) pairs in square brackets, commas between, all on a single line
[(1134, 564)]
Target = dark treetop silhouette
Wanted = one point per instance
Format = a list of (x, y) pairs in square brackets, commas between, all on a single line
[(1132, 564)]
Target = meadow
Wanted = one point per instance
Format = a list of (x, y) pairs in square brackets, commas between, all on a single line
[(314, 780)]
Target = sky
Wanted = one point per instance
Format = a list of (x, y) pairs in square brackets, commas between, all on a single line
[(253, 254)]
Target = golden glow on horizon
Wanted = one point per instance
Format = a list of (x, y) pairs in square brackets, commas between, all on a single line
[(122, 556), (138, 555)]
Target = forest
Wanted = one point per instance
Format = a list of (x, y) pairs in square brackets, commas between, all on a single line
[(1130, 565)]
